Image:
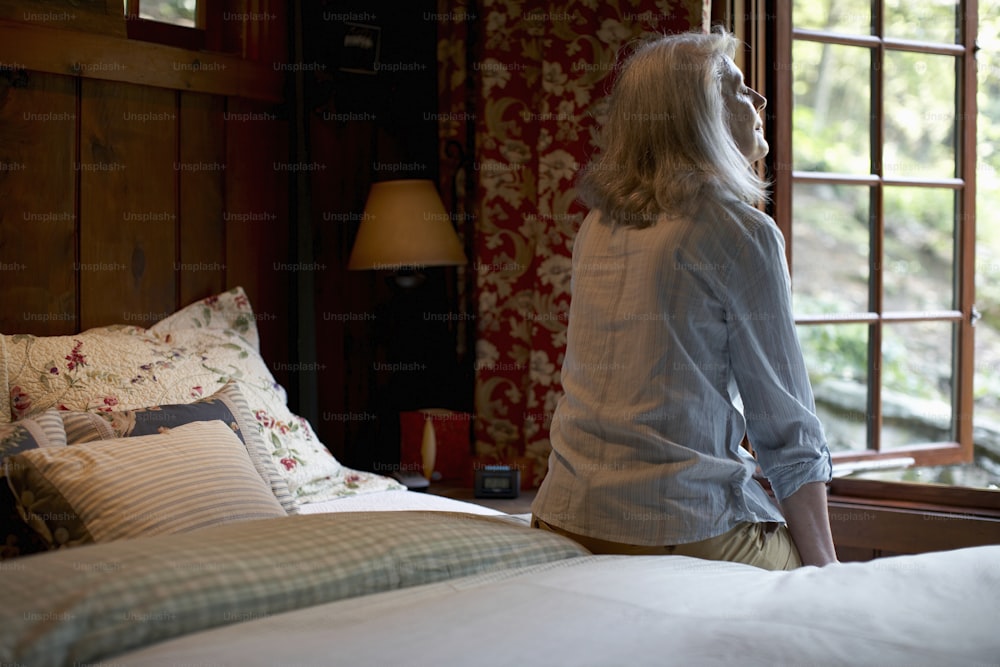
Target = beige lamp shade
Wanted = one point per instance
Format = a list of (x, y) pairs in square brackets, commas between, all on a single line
[(405, 225)]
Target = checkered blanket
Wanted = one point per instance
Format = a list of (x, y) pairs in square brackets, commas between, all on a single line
[(91, 603)]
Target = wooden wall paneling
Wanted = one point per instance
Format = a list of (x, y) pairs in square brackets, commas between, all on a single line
[(201, 265), (346, 317), (128, 216), (98, 16), (257, 223), (273, 31), (253, 29), (37, 203), (300, 208)]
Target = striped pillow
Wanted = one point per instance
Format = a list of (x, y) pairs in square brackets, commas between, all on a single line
[(228, 404), (190, 477), (44, 430)]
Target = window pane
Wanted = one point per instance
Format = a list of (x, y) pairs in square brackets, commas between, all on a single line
[(923, 21), (177, 12), (827, 133), (919, 126), (847, 16), (916, 383), (986, 415), (919, 249), (837, 359), (830, 248)]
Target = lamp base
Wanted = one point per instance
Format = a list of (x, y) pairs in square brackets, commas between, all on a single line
[(407, 278)]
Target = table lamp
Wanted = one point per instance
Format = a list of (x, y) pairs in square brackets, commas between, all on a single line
[(405, 227)]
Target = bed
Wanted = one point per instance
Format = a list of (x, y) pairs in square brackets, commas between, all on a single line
[(163, 506)]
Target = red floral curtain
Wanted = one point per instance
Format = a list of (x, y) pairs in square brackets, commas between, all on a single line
[(532, 83)]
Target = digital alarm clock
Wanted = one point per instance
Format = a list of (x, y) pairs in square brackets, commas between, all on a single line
[(497, 481)]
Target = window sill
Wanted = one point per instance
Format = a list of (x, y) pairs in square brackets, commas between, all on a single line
[(95, 56), (970, 501), (871, 519), (878, 528)]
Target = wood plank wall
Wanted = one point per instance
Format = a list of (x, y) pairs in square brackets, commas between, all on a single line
[(38, 150), (121, 202)]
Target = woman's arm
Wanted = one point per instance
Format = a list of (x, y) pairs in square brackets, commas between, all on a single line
[(809, 523), (780, 410), (768, 364)]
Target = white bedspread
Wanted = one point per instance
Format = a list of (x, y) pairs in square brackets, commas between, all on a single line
[(933, 609), (390, 501)]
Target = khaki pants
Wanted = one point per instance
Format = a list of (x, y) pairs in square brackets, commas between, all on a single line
[(751, 543)]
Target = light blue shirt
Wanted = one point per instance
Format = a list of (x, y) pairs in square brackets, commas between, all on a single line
[(680, 340)]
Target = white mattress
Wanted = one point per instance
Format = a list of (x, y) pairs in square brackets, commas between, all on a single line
[(933, 609), (391, 501)]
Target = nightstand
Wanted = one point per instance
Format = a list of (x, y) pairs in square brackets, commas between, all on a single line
[(455, 491)]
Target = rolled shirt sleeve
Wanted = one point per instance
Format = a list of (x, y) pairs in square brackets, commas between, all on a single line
[(769, 368)]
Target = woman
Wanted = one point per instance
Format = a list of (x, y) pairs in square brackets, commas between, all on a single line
[(681, 338)]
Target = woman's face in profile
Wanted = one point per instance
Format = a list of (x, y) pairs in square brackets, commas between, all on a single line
[(742, 107)]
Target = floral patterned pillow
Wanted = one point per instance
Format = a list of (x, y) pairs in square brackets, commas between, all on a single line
[(18, 539), (187, 356)]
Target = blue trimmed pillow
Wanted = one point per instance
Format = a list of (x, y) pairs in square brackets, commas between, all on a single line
[(227, 405), (44, 430)]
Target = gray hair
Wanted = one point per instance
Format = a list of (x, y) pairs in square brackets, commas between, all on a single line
[(666, 144)]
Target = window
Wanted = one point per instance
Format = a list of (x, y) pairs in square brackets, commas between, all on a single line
[(174, 22), (872, 123), (176, 12)]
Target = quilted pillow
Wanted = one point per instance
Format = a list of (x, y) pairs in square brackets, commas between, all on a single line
[(189, 477), (44, 431), (186, 356), (226, 405)]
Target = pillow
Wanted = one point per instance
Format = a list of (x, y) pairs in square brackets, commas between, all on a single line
[(182, 358), (44, 431), (190, 477), (227, 405)]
